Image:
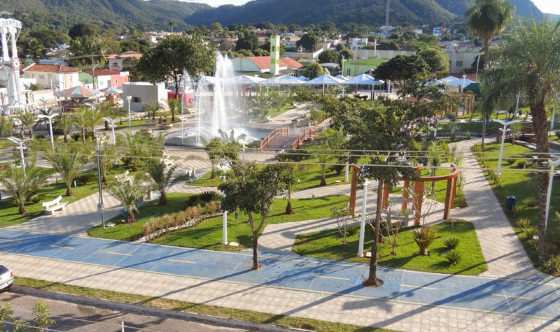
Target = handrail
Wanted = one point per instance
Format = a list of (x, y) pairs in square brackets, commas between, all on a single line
[(268, 138)]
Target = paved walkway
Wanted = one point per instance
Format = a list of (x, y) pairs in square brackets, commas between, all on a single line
[(287, 285), (501, 248)]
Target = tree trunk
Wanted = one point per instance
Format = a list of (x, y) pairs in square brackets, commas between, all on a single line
[(323, 176), (483, 130), (212, 169), (540, 127), (130, 217), (255, 251), (68, 189), (21, 209), (289, 209), (372, 278), (162, 198)]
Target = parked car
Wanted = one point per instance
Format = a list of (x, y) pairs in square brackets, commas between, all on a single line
[(6, 278)]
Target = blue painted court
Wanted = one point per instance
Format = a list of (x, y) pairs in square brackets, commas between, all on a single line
[(538, 297)]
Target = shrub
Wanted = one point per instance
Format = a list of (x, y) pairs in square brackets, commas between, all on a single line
[(424, 238), (552, 265), (453, 257), (521, 164), (527, 228), (294, 155), (203, 198), (557, 133), (451, 243)]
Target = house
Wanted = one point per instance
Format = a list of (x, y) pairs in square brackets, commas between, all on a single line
[(58, 77), (109, 78), (261, 64), (462, 56), (143, 94), (120, 61)]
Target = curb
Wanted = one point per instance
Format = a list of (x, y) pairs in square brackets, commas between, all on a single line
[(147, 311)]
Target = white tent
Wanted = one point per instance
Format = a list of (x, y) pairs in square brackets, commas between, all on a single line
[(455, 82), (363, 79), (325, 80), (248, 80), (283, 80)]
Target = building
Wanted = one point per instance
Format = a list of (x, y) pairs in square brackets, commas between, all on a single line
[(53, 76), (261, 64), (108, 78), (119, 61), (462, 56), (358, 43), (143, 94)]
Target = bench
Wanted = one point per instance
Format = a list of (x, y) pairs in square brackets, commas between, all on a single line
[(55, 205)]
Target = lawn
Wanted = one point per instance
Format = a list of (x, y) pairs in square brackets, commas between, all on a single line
[(467, 128), (130, 232), (520, 183), (440, 189), (328, 244), (208, 234), (206, 181), (87, 185), (371, 62)]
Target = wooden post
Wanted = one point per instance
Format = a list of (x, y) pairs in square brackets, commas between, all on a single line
[(454, 191), (404, 205), (353, 190), (418, 200), (447, 199), (386, 192)]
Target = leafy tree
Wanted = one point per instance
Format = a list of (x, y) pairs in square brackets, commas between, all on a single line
[(23, 185), (222, 150), (128, 190), (27, 120), (528, 62), (67, 160), (175, 54), (436, 59), (289, 179), (313, 70), (247, 41), (6, 126), (402, 68), (140, 147), (329, 56), (164, 176), (87, 118), (252, 191), (175, 108), (41, 318), (309, 42), (82, 30), (65, 123)]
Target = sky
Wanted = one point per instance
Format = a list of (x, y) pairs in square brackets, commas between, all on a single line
[(547, 6)]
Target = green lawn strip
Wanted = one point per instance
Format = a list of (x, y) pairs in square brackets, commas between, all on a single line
[(130, 232), (87, 185), (328, 244), (206, 181), (521, 184), (202, 309), (208, 234), (464, 128), (440, 188)]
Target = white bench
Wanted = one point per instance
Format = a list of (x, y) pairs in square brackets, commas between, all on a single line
[(55, 205)]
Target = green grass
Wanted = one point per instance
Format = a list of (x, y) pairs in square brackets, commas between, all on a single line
[(203, 309), (87, 185), (521, 183), (206, 181), (372, 62), (208, 234), (440, 189), (328, 244), (130, 232), (4, 143)]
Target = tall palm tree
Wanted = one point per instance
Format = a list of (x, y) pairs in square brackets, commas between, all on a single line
[(87, 119), (23, 185), (487, 19), (65, 123), (66, 160), (163, 176), (529, 63), (27, 120), (128, 190)]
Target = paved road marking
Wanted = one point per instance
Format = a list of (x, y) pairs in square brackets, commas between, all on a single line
[(333, 278), (114, 253), (181, 261)]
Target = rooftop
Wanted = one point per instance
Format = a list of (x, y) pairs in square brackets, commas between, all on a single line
[(45, 68)]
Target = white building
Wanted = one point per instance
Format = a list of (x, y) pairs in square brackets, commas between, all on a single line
[(461, 57), (53, 76), (142, 94), (358, 43)]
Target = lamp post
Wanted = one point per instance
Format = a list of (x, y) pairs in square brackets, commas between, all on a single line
[(129, 100), (506, 124), (21, 145), (49, 118), (553, 165), (363, 221), (112, 125), (99, 180)]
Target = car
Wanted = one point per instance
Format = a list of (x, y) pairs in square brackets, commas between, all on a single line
[(6, 278)]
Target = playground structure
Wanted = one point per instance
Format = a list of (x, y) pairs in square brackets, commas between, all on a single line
[(10, 65), (418, 185)]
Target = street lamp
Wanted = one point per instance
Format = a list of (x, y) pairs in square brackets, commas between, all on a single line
[(49, 118), (111, 123), (129, 100), (506, 124), (553, 165), (363, 221), (21, 145)]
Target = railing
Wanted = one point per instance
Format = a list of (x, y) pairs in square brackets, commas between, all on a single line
[(308, 133), (276, 132)]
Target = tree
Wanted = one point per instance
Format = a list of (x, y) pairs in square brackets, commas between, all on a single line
[(67, 160), (252, 191), (175, 107), (309, 42), (329, 56), (402, 68), (289, 179), (41, 318), (226, 149), (436, 59), (331, 141), (27, 120), (82, 30), (164, 176), (65, 123), (313, 70), (488, 18), (87, 119), (23, 185), (529, 63), (128, 190), (247, 41), (175, 54)]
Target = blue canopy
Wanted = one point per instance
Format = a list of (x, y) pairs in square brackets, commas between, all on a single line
[(456, 82), (283, 80), (325, 80), (363, 79)]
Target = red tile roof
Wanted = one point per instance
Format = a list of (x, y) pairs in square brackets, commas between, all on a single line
[(263, 62), (37, 68), (104, 72)]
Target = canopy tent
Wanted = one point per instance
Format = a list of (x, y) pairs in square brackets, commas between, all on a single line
[(112, 91), (474, 88), (77, 92), (248, 80), (303, 78), (342, 78), (283, 80), (325, 80), (455, 82), (363, 79)]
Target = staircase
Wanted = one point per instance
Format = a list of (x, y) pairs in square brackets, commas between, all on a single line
[(286, 138)]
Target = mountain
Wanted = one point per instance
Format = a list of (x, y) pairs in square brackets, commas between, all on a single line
[(370, 12), (139, 13)]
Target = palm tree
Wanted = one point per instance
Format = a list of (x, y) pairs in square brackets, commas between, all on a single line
[(529, 63), (487, 19), (27, 120), (163, 176), (289, 179), (23, 185), (128, 191), (175, 108), (66, 160), (65, 123), (87, 119)]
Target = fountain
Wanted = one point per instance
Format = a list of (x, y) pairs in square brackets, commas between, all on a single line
[(218, 108)]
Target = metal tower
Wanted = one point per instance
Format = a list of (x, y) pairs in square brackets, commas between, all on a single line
[(9, 63)]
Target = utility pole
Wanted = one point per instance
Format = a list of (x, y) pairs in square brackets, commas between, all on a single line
[(387, 13), (99, 181)]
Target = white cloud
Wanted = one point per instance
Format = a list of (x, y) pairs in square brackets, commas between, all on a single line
[(548, 6)]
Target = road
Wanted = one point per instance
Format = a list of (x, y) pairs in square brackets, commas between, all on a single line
[(75, 317)]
